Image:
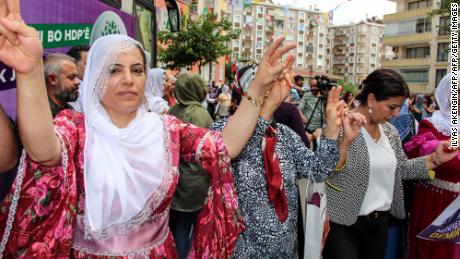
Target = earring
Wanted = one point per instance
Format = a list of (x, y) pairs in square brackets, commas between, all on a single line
[(370, 110)]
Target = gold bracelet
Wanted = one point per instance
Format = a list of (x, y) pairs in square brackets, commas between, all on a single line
[(431, 160), (253, 100), (341, 168)]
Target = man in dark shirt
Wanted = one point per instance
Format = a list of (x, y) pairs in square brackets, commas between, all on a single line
[(61, 81)]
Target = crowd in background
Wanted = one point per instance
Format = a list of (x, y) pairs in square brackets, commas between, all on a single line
[(120, 160)]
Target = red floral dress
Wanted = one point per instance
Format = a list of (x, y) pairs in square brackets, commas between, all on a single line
[(42, 216), (430, 200)]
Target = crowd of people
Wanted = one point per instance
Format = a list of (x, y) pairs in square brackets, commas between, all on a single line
[(108, 158)]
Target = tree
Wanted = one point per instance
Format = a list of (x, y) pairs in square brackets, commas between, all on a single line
[(201, 41), (443, 10), (348, 87)]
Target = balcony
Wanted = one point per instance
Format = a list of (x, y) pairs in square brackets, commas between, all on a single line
[(419, 88), (405, 15), (408, 62), (408, 39)]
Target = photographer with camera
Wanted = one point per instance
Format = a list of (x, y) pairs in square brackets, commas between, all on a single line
[(312, 107)]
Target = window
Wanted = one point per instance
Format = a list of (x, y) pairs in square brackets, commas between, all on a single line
[(422, 52), (444, 24), (374, 29), (258, 56), (374, 40), (362, 28), (419, 4), (260, 9), (237, 18), (440, 73), (423, 25), (302, 15), (235, 42), (443, 51), (259, 44), (415, 75), (372, 60), (144, 13), (259, 33)]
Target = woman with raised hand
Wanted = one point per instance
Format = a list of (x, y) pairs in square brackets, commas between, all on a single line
[(367, 186), (267, 170), (100, 184)]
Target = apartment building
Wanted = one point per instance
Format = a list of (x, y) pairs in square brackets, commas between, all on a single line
[(420, 48), (355, 50), (260, 23)]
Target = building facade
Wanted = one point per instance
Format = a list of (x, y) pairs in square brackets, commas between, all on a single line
[(420, 48), (355, 50), (260, 23)]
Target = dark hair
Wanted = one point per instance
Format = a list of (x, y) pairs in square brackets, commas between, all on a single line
[(298, 78), (346, 96), (75, 51), (384, 84)]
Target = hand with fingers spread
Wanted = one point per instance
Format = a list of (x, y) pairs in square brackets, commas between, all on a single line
[(334, 109), (278, 93), (270, 69), (20, 45)]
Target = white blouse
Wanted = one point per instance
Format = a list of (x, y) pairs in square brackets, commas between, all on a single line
[(382, 159)]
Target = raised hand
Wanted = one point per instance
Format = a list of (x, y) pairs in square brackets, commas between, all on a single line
[(270, 69), (351, 123), (20, 45), (280, 89), (334, 109)]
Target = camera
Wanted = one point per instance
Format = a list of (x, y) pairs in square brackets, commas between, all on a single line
[(325, 83)]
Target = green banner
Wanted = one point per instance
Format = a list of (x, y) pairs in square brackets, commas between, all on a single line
[(64, 35)]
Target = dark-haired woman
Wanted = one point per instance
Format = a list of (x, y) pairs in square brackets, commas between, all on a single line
[(267, 170), (368, 184)]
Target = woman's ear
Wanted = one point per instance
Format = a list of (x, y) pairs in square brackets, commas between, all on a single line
[(371, 100)]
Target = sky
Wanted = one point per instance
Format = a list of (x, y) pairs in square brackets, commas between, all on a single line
[(346, 11)]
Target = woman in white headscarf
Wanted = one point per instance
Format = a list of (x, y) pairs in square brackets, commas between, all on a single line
[(100, 184), (225, 100), (154, 91), (432, 197)]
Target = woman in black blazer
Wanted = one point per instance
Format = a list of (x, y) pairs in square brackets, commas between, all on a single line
[(367, 185)]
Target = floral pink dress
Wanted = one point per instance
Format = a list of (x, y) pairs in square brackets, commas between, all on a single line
[(43, 215)]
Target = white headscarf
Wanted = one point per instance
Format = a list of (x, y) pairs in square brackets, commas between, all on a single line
[(154, 91), (155, 81), (123, 168), (225, 89), (441, 118)]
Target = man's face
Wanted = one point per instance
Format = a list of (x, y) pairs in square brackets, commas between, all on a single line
[(81, 64), (68, 82), (299, 82), (314, 86)]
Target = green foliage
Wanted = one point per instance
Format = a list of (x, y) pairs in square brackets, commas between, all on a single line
[(200, 41), (348, 87)]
